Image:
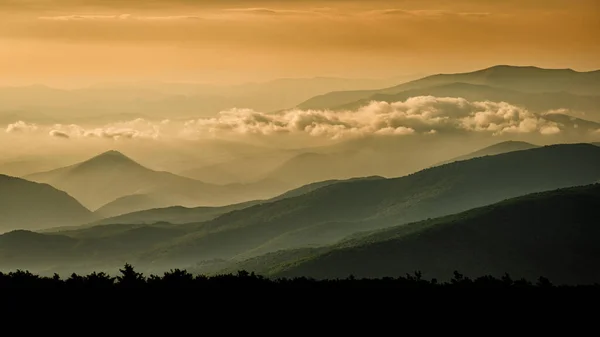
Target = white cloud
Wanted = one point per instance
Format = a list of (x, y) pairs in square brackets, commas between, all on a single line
[(401, 130), (138, 128), (21, 126), (425, 115), (551, 129)]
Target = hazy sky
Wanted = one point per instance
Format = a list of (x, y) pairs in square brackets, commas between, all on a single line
[(76, 41)]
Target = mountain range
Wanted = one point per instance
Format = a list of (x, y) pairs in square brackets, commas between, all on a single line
[(318, 217), (329, 213)]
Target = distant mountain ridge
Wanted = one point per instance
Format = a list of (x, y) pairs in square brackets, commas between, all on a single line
[(523, 85), (536, 102)]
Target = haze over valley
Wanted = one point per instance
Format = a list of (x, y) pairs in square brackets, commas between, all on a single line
[(364, 151)]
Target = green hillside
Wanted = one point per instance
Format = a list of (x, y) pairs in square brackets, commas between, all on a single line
[(553, 234), (369, 204)]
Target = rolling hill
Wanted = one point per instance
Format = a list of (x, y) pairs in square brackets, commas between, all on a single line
[(479, 84), (345, 208), (112, 175), (29, 205), (553, 234)]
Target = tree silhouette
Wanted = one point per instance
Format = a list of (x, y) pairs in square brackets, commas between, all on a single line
[(129, 277), (248, 281)]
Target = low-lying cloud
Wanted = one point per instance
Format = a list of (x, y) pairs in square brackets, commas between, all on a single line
[(424, 115), (417, 115), (138, 128), (21, 126)]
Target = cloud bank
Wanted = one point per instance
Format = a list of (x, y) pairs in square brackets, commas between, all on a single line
[(424, 115), (417, 115)]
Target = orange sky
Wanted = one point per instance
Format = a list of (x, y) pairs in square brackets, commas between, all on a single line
[(75, 41)]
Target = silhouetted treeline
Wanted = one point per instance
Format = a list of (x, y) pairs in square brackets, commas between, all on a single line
[(181, 279)]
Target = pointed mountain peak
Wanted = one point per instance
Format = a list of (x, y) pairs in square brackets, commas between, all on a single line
[(111, 157), (112, 153)]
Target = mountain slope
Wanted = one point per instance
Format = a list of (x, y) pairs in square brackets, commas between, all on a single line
[(112, 175), (503, 147), (28, 205), (315, 186), (367, 204), (553, 234), (525, 79)]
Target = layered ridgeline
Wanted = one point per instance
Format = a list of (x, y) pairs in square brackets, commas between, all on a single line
[(182, 215), (332, 212), (327, 214), (535, 88), (28, 205), (553, 234), (112, 175)]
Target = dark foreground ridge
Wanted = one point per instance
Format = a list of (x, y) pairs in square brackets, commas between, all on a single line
[(181, 279)]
